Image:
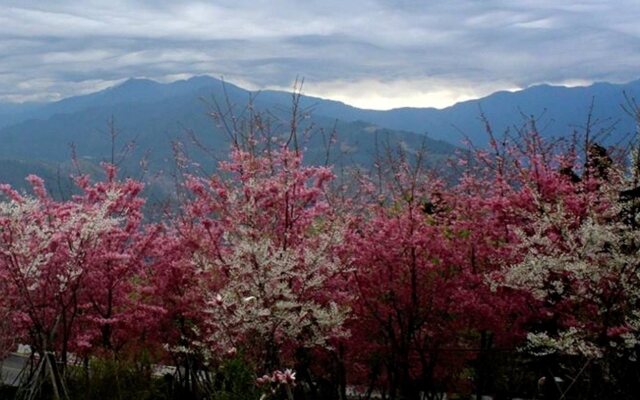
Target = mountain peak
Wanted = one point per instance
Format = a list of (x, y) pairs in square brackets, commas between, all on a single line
[(137, 83), (202, 79)]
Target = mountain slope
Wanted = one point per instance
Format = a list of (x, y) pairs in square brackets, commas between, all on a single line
[(560, 111), (156, 115), (131, 91)]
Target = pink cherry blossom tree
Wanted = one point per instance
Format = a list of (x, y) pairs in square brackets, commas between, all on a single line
[(69, 268), (266, 237)]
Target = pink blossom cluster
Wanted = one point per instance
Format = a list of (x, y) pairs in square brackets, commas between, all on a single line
[(286, 377)]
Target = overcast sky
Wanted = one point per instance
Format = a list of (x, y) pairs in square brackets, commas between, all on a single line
[(375, 54)]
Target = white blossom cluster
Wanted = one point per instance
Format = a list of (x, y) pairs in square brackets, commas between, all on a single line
[(35, 231), (594, 262), (569, 342), (277, 294)]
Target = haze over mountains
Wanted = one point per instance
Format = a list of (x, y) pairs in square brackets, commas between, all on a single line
[(153, 114)]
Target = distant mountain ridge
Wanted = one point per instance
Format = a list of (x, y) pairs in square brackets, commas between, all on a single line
[(133, 90), (561, 107), (155, 115)]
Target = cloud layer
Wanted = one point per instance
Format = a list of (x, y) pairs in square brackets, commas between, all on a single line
[(369, 53)]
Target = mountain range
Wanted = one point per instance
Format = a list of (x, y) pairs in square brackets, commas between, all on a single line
[(37, 136)]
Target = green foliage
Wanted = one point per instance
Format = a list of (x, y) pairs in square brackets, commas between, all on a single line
[(7, 392), (235, 380), (112, 379)]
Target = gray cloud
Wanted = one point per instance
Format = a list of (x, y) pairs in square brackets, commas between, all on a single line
[(428, 52)]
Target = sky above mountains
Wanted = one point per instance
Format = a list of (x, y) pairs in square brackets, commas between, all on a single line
[(372, 54)]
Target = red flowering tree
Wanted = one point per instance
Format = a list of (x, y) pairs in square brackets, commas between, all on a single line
[(422, 254), (117, 309)]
